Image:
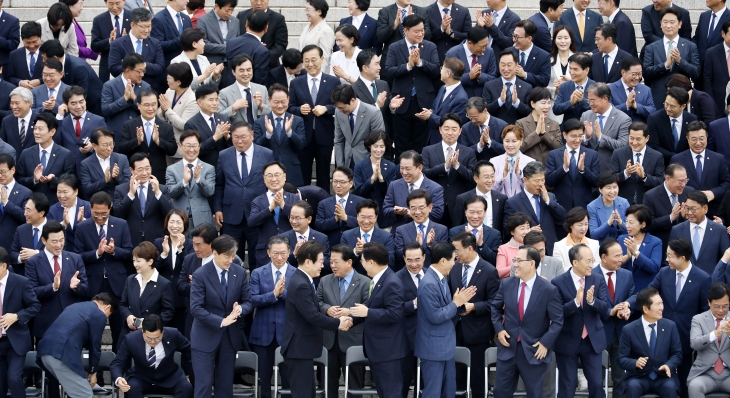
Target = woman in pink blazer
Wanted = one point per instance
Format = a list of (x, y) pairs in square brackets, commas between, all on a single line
[(508, 166), (518, 226)]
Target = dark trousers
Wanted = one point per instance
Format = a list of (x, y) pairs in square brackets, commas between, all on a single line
[(245, 236), (11, 370), (216, 366), (139, 388), (683, 371), (178, 320), (617, 372), (301, 377), (664, 387), (115, 319), (505, 383), (266, 356), (408, 371), (568, 370), (409, 132), (336, 362), (323, 156), (477, 365), (438, 379), (387, 378)]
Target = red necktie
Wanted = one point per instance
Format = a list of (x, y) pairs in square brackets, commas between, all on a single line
[(718, 363), (78, 127), (56, 266), (473, 60), (610, 285), (521, 304)]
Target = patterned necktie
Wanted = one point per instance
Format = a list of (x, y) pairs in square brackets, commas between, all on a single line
[(522, 59), (44, 159), (22, 132), (413, 90), (403, 15), (698, 166), (411, 187), (370, 289), (138, 49), (56, 265), (212, 124), (313, 91), (422, 229), (78, 128), (375, 91), (464, 276), (605, 66), (32, 63), (711, 27), (675, 132), (278, 276), (342, 203), (696, 242), (152, 359), (343, 290), (179, 23), (148, 133), (585, 330), (508, 99), (352, 123), (278, 129), (674, 200), (449, 152), (102, 234), (35, 238), (190, 167), (536, 198), (277, 212), (142, 198), (678, 287), (224, 285), (249, 110), (611, 291), (718, 363), (445, 289), (473, 60)]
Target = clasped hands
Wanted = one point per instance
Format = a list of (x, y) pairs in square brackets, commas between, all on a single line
[(641, 362)]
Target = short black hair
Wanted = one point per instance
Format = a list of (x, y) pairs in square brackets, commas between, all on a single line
[(304, 205), (367, 204), (640, 126), (274, 163), (206, 90), (644, 298), (538, 94), (546, 5), (509, 53), (223, 3), (679, 94), (376, 252), (413, 20), (582, 59), (278, 87), (477, 168), (515, 220), (629, 62), (696, 125), (321, 6), (362, 5), (309, 250), (574, 252), (54, 64), (131, 60), (152, 323), (573, 216), (681, 247), (224, 244), (412, 246), (699, 197), (31, 29), (534, 237), (607, 177), (69, 179), (137, 157), (189, 37), (101, 198), (572, 125), (450, 116), (608, 30), (146, 93), (4, 257), (7, 160), (344, 250), (717, 291), (466, 239), (364, 58), (375, 136), (310, 47), (343, 93), (106, 299), (99, 132), (532, 254), (670, 10), (239, 59), (71, 91), (474, 199), (291, 58), (414, 156), (49, 119), (350, 32), (60, 11), (529, 27), (52, 49), (418, 194), (442, 250), (678, 80), (52, 227), (605, 245), (642, 214), (344, 170), (476, 34), (206, 231), (189, 133), (181, 72), (258, 20), (40, 202), (140, 14)]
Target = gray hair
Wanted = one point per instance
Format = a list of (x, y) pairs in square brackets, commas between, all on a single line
[(478, 103), (141, 15), (23, 92), (533, 168), (277, 239), (601, 90)]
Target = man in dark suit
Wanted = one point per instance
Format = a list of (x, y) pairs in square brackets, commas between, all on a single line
[(421, 230), (367, 28), (527, 322), (338, 213), (483, 132), (535, 201), (626, 34), (631, 96), (214, 134), (167, 28), (670, 124), (718, 141), (584, 295), (300, 218), (488, 239), (534, 62), (17, 129), (474, 329), (412, 65), (27, 237), (276, 37), (303, 340), (145, 362), (480, 65), (651, 24), (449, 26), (500, 21), (107, 169), (5, 89), (506, 97), (17, 68), (572, 98), (79, 327), (709, 33), (74, 132), (10, 33), (13, 197), (45, 95), (310, 99), (391, 28), (451, 99), (249, 43), (148, 47), (119, 94), (639, 167), (217, 303), (311, 194), (550, 12), (606, 67), (107, 27), (291, 67), (583, 23), (149, 134), (715, 74), (410, 277), (370, 89), (143, 201), (367, 216), (105, 246)]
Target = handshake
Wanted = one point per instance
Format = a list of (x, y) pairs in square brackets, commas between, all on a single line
[(345, 323)]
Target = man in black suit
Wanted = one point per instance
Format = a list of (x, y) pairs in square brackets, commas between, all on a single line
[(715, 73), (391, 28), (639, 167), (500, 21), (449, 23), (670, 124), (651, 24), (10, 33), (214, 134), (303, 338), (412, 65), (13, 197), (370, 89), (27, 240), (291, 67), (5, 89), (106, 28), (410, 276), (148, 134), (143, 201), (276, 37), (17, 129), (507, 96), (626, 36), (533, 67), (249, 43), (483, 174), (606, 66)]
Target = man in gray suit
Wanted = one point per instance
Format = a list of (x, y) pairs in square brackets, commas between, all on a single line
[(354, 120), (337, 292), (606, 127), (244, 100), (132, 4), (191, 182), (709, 336), (219, 26)]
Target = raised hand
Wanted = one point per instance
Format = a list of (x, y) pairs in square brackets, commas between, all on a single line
[(75, 281), (380, 101), (579, 295), (258, 99), (589, 294), (582, 162), (57, 280), (566, 160), (359, 310), (345, 323), (503, 95), (165, 103), (430, 237), (502, 337), (305, 109), (396, 102), (165, 246), (140, 135), (358, 246)]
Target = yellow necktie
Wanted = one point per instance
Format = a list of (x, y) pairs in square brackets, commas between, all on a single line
[(581, 25)]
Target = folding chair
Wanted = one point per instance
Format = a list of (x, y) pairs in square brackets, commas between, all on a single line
[(321, 361), (247, 361), (31, 366), (356, 356), (462, 356), (604, 368), (490, 360)]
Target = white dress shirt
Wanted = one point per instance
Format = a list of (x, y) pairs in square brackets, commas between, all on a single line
[(282, 271), (470, 271), (445, 149), (415, 278), (647, 330), (3, 284), (702, 158), (72, 213), (143, 284), (685, 273), (357, 20), (376, 278), (513, 87), (577, 156), (703, 229), (528, 291), (249, 159), (606, 277), (613, 15), (28, 130), (50, 256), (310, 80), (159, 352), (576, 282), (611, 57), (420, 63), (488, 216), (417, 183), (305, 235)]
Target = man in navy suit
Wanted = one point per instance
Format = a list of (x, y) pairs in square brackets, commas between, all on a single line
[(719, 132), (27, 238), (79, 327), (507, 96), (13, 197), (550, 13), (107, 27), (709, 33), (268, 295), (651, 25), (145, 362), (366, 26), (338, 213), (310, 99), (572, 98), (683, 288), (119, 94), (474, 329), (479, 62), (707, 170), (534, 62), (500, 22), (449, 25), (17, 68), (249, 43), (527, 315), (639, 167), (413, 66), (300, 218), (214, 134), (650, 350), (276, 36), (10, 33), (410, 278), (626, 34), (572, 170), (483, 132), (17, 129), (367, 216), (631, 96), (167, 26), (107, 169), (421, 230), (20, 305), (582, 22), (606, 67), (715, 74), (585, 307), (74, 132), (395, 208), (291, 67), (451, 99), (148, 47), (384, 335), (535, 201), (5, 89), (488, 239), (669, 125), (218, 301)]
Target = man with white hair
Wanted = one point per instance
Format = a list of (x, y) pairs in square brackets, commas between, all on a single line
[(17, 129)]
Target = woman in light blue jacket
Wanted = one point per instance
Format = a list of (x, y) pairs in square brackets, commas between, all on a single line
[(606, 217)]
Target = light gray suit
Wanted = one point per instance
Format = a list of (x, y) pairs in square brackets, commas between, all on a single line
[(550, 267), (615, 134), (215, 45), (40, 95), (192, 199), (349, 147), (702, 378), (231, 94), (132, 4)]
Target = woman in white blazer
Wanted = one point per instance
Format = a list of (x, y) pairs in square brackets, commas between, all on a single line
[(576, 223), (508, 174), (343, 63), (318, 32), (178, 104), (563, 48), (60, 28), (193, 47)]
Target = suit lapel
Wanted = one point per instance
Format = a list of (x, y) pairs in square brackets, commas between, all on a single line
[(148, 290), (213, 277), (51, 159), (8, 291), (354, 283)]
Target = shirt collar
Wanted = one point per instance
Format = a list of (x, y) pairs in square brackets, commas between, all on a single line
[(665, 41), (4, 280), (48, 150), (577, 13), (474, 262), (468, 52), (425, 225), (10, 186), (409, 44), (703, 225), (241, 87), (206, 260), (613, 52), (530, 282), (194, 162), (363, 232), (613, 15), (576, 278), (366, 81), (249, 152), (154, 276), (282, 269), (608, 112), (257, 38), (513, 81), (694, 155), (645, 323), (605, 271), (172, 12), (134, 39), (207, 117), (348, 277), (40, 227), (444, 146), (685, 273), (337, 198), (642, 152), (49, 255), (376, 278), (305, 234), (726, 47), (547, 20), (318, 77), (577, 151), (308, 276), (419, 181)]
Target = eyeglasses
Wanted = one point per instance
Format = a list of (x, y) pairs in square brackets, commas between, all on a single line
[(516, 260), (279, 254), (692, 209), (149, 105), (575, 137), (107, 145), (100, 215), (635, 74), (721, 307), (147, 169), (4, 172), (296, 219), (140, 71), (191, 146), (366, 218), (682, 181), (515, 37), (273, 175), (153, 339), (418, 208), (278, 102), (239, 138), (340, 182)]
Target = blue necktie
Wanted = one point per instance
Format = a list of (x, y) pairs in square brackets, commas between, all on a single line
[(696, 244), (508, 100), (352, 123), (413, 90), (278, 128), (142, 199), (138, 49), (35, 238), (573, 165), (678, 286), (44, 159), (710, 29), (522, 59), (698, 166), (600, 122), (403, 15), (536, 198), (474, 232), (423, 234), (464, 276), (367, 237), (152, 359), (314, 289), (244, 168), (445, 289), (605, 66), (116, 26), (652, 348), (278, 276), (32, 63), (342, 203), (148, 132), (212, 124), (224, 285), (277, 212), (51, 93), (343, 290), (446, 11), (179, 24), (675, 133)]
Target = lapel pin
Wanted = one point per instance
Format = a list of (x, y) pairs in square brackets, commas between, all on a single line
[(662, 330), (366, 26), (689, 280), (154, 285), (168, 342), (496, 200), (479, 271)]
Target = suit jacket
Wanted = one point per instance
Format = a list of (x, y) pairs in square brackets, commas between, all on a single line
[(702, 106), (78, 72), (115, 109), (59, 162), (191, 263), (152, 52), (488, 62), (164, 30), (23, 238), (507, 111), (644, 101), (56, 213), (313, 235), (410, 290), (203, 64), (328, 295), (397, 195), (171, 271), (185, 107), (92, 176), (10, 34), (552, 215), (299, 94), (537, 67), (67, 38), (17, 67), (626, 35), (615, 134), (500, 36), (231, 94), (378, 235), (718, 141), (156, 298), (471, 134), (706, 39), (661, 207), (562, 104), (592, 20), (209, 306), (492, 238), (5, 89), (454, 103), (542, 320), (407, 233), (111, 266), (623, 289), (14, 213), (232, 196), (66, 136), (40, 95), (477, 326), (535, 145), (715, 176), (100, 31), (375, 191), (460, 24), (599, 214), (496, 206), (453, 181), (654, 70), (270, 318), (651, 27), (368, 34), (645, 267), (707, 351), (276, 37), (10, 133), (424, 78), (158, 153), (325, 220), (285, 148), (263, 218), (576, 317), (215, 43), (573, 192), (193, 198), (80, 325), (131, 359), (138, 4), (598, 72), (349, 146), (662, 139), (148, 225), (20, 299), (715, 76), (248, 44), (714, 243), (387, 36), (550, 267), (209, 148), (543, 38)]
